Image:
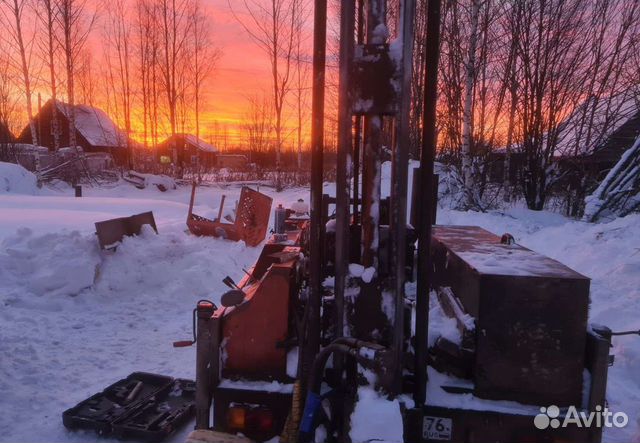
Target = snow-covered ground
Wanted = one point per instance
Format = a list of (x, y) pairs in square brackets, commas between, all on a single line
[(73, 319)]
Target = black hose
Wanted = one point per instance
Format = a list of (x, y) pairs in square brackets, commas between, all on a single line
[(345, 345), (315, 378)]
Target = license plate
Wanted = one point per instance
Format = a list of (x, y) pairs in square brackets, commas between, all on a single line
[(437, 428)]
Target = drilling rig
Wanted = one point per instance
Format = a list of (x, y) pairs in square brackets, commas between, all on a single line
[(327, 299)]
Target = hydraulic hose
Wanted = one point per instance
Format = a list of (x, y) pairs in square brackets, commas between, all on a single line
[(363, 352)]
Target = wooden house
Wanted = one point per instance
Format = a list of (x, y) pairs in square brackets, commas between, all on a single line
[(95, 131), (191, 151)]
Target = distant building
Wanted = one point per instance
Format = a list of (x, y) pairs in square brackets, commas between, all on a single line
[(584, 149), (95, 131), (599, 143), (232, 161), (191, 151)]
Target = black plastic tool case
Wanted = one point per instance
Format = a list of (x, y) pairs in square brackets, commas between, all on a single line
[(161, 405)]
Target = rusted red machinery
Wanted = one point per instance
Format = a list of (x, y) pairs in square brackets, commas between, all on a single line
[(246, 344), (521, 316), (251, 220)]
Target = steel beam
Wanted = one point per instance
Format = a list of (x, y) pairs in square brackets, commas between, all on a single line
[(371, 163), (432, 53), (398, 206), (312, 342)]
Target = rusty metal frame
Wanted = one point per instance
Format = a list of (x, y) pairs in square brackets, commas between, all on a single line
[(250, 225), (111, 232)]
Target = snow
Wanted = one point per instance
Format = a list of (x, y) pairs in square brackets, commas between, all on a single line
[(17, 180), (272, 386), (368, 273), (356, 269), (161, 181), (201, 144), (375, 418), (618, 180), (95, 125), (74, 319)]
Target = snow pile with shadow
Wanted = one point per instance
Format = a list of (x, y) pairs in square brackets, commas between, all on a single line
[(17, 180)]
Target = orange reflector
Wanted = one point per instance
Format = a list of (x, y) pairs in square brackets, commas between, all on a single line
[(236, 417), (263, 420)]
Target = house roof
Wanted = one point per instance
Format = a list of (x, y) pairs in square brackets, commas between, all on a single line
[(193, 141), (610, 114), (95, 125)]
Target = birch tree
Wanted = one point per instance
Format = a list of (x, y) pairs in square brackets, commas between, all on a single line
[(467, 118), (14, 11), (74, 23), (174, 32), (47, 13), (117, 34)]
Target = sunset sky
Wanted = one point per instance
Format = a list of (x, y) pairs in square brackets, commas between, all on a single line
[(242, 70)]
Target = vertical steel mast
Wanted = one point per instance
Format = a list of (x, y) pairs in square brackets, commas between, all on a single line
[(432, 55), (312, 340)]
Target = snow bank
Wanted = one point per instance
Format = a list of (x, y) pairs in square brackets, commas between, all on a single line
[(375, 418), (74, 319), (52, 264), (17, 180), (162, 182)]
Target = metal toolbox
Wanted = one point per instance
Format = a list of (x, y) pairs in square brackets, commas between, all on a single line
[(142, 406), (530, 313)]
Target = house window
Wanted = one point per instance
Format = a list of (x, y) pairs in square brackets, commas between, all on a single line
[(194, 159), (165, 159)]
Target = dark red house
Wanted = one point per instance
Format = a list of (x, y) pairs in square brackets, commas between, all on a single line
[(191, 151), (95, 131)]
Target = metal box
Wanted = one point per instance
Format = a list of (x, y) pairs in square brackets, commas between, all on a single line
[(530, 313)]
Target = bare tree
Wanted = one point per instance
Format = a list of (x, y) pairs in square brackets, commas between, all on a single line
[(47, 12), (204, 57), (301, 73), (147, 54), (467, 117), (117, 34), (271, 24), (8, 107), (86, 78), (258, 124), (14, 11), (551, 39), (174, 34), (607, 96), (75, 24)]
